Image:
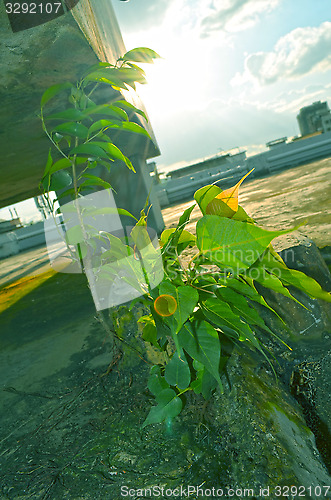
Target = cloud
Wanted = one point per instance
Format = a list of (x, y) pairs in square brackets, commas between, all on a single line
[(235, 15), (141, 14), (300, 52), (294, 100)]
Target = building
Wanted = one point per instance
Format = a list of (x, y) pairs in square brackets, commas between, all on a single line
[(217, 164), (314, 118), (10, 225), (224, 169), (290, 154)]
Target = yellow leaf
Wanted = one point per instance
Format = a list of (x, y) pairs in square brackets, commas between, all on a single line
[(228, 197)]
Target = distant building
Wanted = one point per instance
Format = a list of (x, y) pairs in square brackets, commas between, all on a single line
[(283, 154), (225, 169), (10, 225), (314, 118), (276, 142), (220, 163)]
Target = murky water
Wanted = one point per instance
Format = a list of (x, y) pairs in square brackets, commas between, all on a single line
[(300, 195)]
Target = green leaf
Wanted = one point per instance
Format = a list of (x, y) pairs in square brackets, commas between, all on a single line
[(141, 54), (118, 250), (218, 207), (48, 164), (204, 383), (106, 75), (104, 163), (89, 149), (65, 163), (59, 165), (132, 75), (107, 109), (70, 114), (135, 128), (177, 372), (100, 125), (231, 244), (58, 180), (107, 211), (74, 235), (149, 334), (99, 65), (53, 91), (294, 277), (67, 192), (114, 153), (130, 107), (126, 126), (186, 298), (205, 195), (221, 314), (136, 68), (271, 281), (241, 307), (169, 406), (185, 238), (249, 291), (201, 342), (242, 216), (156, 383), (72, 128), (93, 180), (174, 237)]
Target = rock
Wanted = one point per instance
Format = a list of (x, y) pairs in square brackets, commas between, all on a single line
[(326, 254), (300, 252), (263, 436), (305, 369)]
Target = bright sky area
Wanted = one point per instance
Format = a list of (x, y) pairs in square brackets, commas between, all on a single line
[(233, 73)]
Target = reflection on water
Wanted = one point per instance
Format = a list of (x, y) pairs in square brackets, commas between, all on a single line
[(292, 197)]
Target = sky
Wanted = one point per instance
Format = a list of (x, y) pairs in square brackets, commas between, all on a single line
[(234, 73)]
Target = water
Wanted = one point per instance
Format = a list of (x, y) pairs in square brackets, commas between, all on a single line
[(282, 201)]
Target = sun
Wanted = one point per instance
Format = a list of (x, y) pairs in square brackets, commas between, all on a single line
[(172, 84)]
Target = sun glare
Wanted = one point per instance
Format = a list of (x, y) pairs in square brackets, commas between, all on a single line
[(174, 82)]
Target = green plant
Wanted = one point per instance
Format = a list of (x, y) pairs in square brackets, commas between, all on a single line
[(208, 302), (81, 136), (205, 301)]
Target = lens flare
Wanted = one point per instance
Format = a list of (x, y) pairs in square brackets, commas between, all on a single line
[(165, 305)]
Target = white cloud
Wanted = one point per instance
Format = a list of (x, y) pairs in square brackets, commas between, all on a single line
[(300, 52), (235, 15), (294, 100)]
